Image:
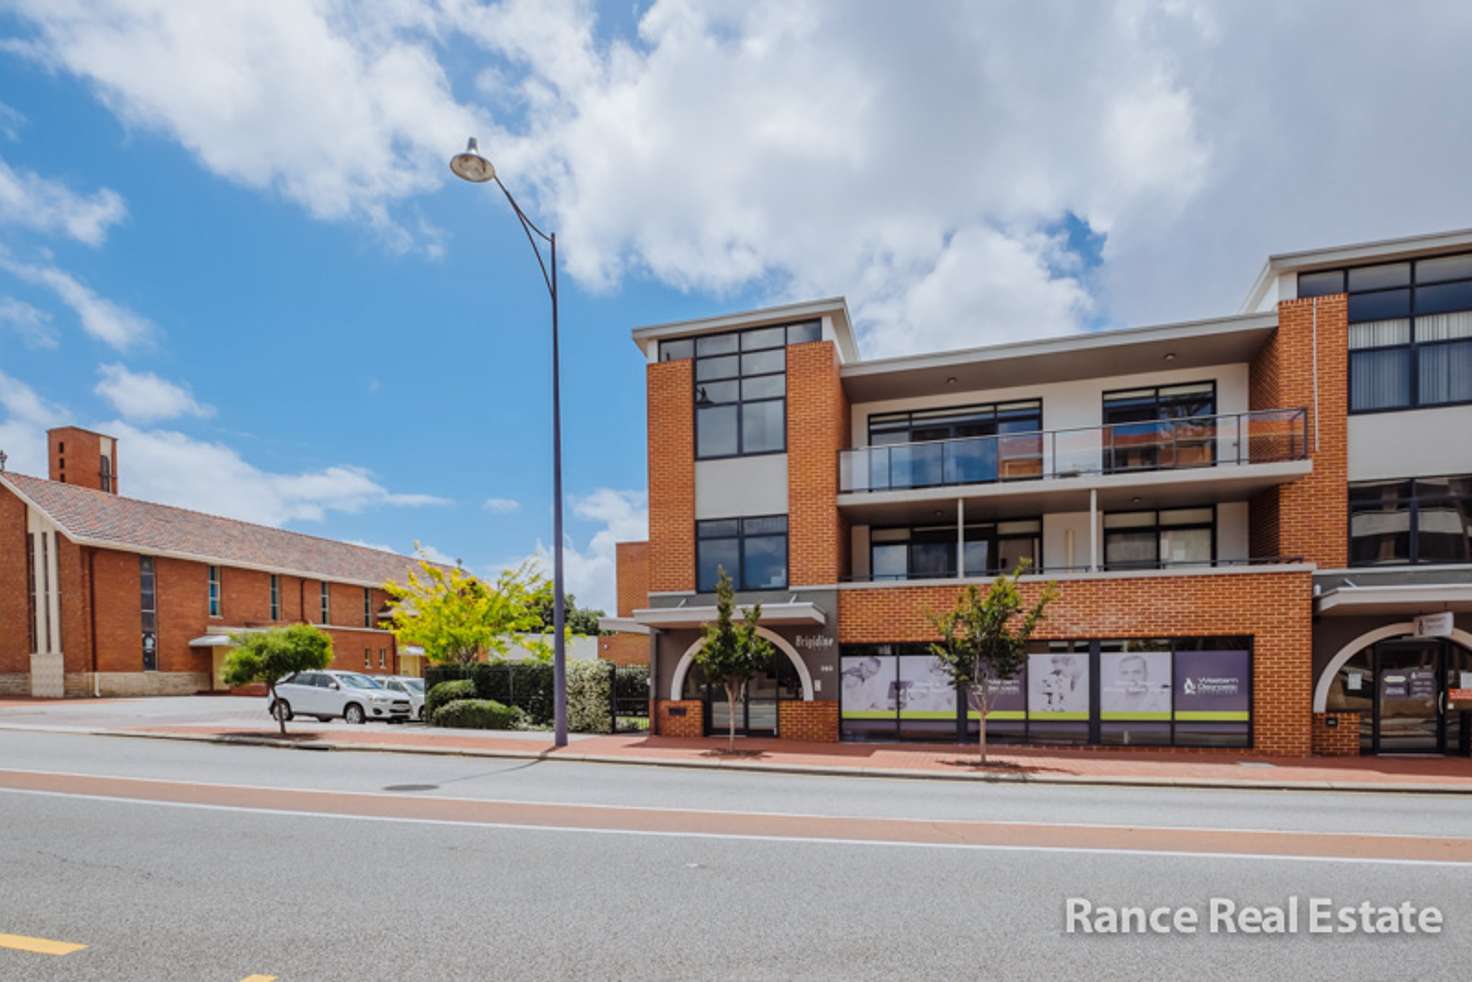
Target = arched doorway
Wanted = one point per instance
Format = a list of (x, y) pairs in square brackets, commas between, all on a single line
[(787, 679), (1398, 684)]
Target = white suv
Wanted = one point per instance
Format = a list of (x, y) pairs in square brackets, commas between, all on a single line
[(328, 695), (409, 686)]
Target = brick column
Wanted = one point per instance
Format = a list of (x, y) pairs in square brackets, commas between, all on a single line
[(1310, 517), (672, 475), (631, 576), (685, 718), (817, 429)]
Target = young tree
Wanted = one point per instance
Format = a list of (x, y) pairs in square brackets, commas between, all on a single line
[(578, 620), (269, 656), (455, 617), (984, 638), (733, 654)]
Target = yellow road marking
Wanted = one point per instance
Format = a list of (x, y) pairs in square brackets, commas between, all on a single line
[(40, 946), (259, 978)]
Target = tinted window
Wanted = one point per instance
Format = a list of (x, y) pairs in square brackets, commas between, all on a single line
[(1379, 277), (1320, 284), (763, 426), (671, 350), (715, 431), (1446, 268), (1379, 306), (1444, 297)]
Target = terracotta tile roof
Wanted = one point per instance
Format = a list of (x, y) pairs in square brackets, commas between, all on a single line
[(112, 521)]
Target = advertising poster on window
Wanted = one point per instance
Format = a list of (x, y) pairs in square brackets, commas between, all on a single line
[(1058, 686), (1212, 685), (1006, 699), (925, 690), (868, 686), (1134, 685)]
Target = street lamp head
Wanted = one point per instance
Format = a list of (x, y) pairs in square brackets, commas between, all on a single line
[(471, 166)]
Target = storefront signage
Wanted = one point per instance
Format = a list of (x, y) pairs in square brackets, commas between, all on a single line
[(1212, 685), (814, 642), (1460, 699), (1058, 686), (1434, 625)]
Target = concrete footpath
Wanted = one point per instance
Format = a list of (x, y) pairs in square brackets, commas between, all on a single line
[(145, 719)]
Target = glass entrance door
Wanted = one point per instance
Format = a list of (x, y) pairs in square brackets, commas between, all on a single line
[(1408, 681)]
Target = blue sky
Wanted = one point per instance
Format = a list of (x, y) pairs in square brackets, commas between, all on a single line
[(232, 239)]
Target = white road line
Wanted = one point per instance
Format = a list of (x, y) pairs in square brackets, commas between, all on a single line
[(740, 837), (672, 809)]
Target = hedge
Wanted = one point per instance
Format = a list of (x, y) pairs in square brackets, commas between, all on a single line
[(527, 685), (447, 692), (479, 714)]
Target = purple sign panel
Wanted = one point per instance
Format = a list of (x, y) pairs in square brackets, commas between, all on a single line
[(1212, 685), (1006, 699)]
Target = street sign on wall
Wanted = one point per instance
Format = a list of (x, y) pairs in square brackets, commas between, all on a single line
[(1434, 625)]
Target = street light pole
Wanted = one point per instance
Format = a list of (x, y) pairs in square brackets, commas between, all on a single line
[(471, 166)]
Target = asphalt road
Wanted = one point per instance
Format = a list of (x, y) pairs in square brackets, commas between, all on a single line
[(185, 861)]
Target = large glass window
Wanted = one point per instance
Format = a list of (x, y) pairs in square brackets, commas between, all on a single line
[(929, 551), (1160, 427), (31, 590), (214, 591), (1132, 691), (752, 551), (148, 610), (275, 597), (957, 445), (1410, 331), (1157, 539), (740, 387), (1427, 520)]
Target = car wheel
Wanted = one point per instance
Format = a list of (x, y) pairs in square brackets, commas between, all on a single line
[(282, 710), (422, 718), (353, 714)]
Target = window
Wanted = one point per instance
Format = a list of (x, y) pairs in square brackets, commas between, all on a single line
[(1427, 520), (326, 605), (752, 551), (214, 591), (958, 445), (148, 607), (1157, 539), (367, 660), (1160, 427), (382, 658), (740, 387), (31, 589), (925, 552), (367, 607), (106, 473), (1410, 331), (275, 597)]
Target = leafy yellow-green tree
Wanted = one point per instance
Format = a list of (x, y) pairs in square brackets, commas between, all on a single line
[(455, 617), (984, 638), (269, 656), (733, 653)]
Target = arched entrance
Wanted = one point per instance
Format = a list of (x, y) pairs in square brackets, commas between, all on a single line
[(758, 713), (1398, 684)]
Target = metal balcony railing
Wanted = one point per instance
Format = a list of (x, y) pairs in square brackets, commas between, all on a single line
[(1230, 439)]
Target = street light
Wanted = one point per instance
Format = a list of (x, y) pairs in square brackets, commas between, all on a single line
[(472, 167)]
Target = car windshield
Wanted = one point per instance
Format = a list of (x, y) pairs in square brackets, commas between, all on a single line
[(416, 684), (361, 682)]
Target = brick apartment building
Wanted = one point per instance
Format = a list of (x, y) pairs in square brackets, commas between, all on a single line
[(106, 595), (1247, 517)]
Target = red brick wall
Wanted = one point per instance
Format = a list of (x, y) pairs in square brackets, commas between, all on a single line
[(631, 563), (816, 722), (76, 631), (348, 647), (1273, 608), (1310, 517), (624, 649), (75, 457), (817, 429), (183, 614), (15, 649), (1341, 740), (692, 724), (672, 475), (245, 597), (119, 628)]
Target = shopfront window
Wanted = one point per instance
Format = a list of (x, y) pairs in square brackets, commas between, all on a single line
[(1114, 692)]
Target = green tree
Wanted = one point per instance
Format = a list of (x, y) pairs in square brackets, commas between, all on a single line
[(455, 617), (732, 653), (984, 638), (577, 620), (269, 656)]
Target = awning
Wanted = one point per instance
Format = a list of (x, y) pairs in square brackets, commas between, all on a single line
[(1399, 598), (622, 625), (772, 614), (212, 641)]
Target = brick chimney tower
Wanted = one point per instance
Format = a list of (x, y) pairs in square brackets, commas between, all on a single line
[(83, 458)]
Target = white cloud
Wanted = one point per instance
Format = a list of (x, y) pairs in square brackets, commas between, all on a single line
[(11, 121), (108, 322), (500, 505), (24, 425), (338, 106), (145, 397), (31, 201), (589, 572), (31, 323), (431, 554)]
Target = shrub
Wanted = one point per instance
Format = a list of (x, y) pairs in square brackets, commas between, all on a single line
[(479, 714), (447, 692), (588, 693)]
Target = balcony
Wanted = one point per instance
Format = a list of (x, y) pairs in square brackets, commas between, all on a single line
[(1234, 439)]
